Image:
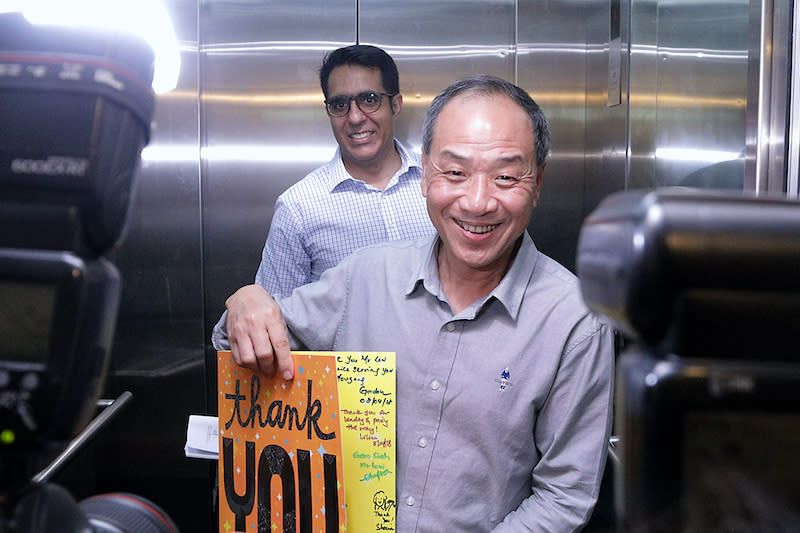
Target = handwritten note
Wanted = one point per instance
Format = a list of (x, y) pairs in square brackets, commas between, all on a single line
[(367, 386)]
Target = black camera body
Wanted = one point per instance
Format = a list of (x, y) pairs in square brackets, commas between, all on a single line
[(75, 111), (704, 287)]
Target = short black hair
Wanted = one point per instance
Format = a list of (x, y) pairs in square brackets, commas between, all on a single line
[(363, 55), (490, 85)]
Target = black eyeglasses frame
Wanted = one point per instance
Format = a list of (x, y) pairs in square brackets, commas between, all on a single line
[(355, 98)]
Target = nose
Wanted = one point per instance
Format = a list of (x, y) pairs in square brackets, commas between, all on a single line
[(355, 114), (479, 195)]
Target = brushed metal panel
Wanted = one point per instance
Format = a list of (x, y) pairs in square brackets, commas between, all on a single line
[(702, 92), (643, 79), (793, 136), (770, 40), (263, 123), (780, 105), (606, 161), (688, 93), (437, 43)]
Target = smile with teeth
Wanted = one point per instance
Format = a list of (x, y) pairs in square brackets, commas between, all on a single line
[(360, 135), (476, 229)]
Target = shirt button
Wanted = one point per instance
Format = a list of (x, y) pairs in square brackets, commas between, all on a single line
[(435, 385), (451, 326), (422, 442), (410, 501)]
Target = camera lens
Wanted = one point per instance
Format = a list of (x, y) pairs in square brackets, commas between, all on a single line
[(126, 513)]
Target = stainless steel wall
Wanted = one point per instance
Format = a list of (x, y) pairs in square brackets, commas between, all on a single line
[(247, 121), (689, 64), (708, 93)]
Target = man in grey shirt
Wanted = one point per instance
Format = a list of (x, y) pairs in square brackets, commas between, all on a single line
[(504, 378)]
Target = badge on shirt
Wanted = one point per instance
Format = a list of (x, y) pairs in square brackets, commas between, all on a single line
[(504, 380)]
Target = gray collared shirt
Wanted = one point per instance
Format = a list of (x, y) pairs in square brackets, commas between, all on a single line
[(503, 410)]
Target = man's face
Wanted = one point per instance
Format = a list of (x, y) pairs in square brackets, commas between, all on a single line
[(481, 181), (363, 138)]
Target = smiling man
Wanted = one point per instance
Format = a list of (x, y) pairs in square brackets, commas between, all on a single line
[(368, 193), (504, 378)]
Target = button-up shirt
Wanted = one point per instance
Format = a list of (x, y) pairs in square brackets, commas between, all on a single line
[(503, 410), (329, 214)]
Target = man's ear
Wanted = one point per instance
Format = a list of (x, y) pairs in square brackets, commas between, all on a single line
[(538, 183), (397, 103)]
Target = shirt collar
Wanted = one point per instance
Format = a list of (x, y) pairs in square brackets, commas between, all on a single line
[(339, 174), (509, 292)]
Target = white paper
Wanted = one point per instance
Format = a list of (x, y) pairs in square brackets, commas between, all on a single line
[(202, 437)]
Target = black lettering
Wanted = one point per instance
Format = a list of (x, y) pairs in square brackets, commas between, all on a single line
[(304, 488), (255, 389), (313, 411), (275, 461), (331, 494), (240, 505), (236, 411)]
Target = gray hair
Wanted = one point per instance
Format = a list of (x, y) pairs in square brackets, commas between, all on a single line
[(490, 85)]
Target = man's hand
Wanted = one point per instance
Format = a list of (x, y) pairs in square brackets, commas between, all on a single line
[(257, 332)]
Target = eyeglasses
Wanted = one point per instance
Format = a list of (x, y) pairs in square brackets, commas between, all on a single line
[(367, 102)]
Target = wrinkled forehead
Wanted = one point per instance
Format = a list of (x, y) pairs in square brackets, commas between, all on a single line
[(479, 124)]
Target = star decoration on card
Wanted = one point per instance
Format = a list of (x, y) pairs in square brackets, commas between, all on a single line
[(227, 526), (300, 369), (321, 450)]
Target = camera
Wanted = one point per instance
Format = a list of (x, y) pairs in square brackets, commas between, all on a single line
[(704, 287), (75, 111)]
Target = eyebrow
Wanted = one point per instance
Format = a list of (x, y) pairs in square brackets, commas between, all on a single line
[(356, 94)]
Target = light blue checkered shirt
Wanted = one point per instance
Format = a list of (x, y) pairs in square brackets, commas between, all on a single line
[(327, 215)]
